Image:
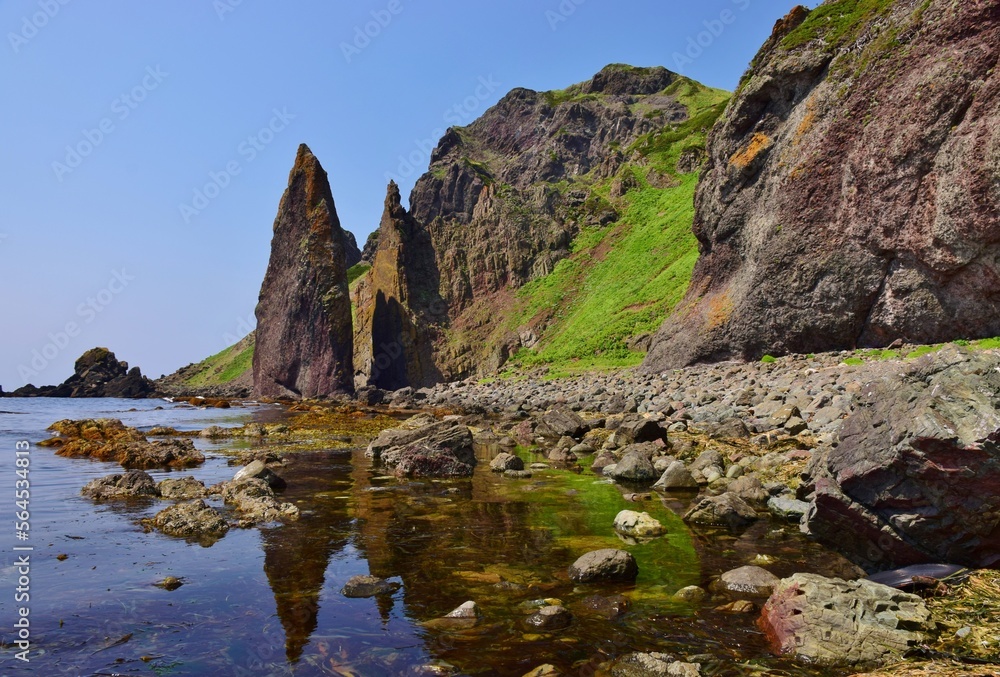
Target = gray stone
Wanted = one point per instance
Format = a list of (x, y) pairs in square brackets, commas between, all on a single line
[(676, 478), (787, 508), (505, 461), (604, 565), (727, 509), (634, 466), (749, 580), (260, 471)]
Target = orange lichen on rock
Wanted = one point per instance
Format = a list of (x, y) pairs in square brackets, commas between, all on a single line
[(758, 144)]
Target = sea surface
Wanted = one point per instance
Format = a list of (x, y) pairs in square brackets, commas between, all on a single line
[(267, 600)]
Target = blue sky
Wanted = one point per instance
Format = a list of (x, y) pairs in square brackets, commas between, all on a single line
[(145, 145)]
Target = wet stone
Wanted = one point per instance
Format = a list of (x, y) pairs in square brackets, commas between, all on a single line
[(368, 586)]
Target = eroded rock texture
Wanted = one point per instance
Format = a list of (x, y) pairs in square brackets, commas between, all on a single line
[(852, 190), (304, 329)]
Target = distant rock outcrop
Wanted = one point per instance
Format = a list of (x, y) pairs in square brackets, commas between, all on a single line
[(304, 343), (351, 252), (398, 308), (852, 191), (97, 373)]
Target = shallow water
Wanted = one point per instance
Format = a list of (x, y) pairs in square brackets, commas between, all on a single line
[(267, 601)]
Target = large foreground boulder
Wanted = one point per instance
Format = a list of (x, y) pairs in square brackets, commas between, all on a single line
[(916, 476), (833, 622), (442, 449)]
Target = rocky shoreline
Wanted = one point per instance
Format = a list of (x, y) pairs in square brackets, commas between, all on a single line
[(725, 445)]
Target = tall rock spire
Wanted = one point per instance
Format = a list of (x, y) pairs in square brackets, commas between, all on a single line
[(398, 306), (304, 329)]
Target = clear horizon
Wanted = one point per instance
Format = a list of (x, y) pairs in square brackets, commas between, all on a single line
[(147, 145)]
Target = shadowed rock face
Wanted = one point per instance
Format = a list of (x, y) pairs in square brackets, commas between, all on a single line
[(399, 310), (304, 334), (852, 190)]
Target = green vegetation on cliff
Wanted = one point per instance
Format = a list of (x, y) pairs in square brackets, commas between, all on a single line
[(621, 280), (222, 368)]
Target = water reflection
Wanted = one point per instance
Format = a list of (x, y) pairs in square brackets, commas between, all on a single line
[(297, 554)]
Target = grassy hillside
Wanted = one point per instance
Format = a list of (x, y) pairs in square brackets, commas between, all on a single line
[(622, 280), (222, 369)]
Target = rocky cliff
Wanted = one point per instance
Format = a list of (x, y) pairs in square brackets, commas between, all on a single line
[(504, 201), (304, 345), (398, 305), (852, 189)]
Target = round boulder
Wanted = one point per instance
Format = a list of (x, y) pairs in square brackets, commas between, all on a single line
[(604, 565)]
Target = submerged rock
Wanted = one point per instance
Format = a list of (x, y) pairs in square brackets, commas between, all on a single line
[(368, 586), (828, 621), (604, 565), (652, 665)]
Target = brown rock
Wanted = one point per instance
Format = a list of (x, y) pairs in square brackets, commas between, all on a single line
[(398, 307), (850, 195), (304, 342)]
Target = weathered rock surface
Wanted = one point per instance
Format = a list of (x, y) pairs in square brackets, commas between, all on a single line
[(727, 509), (832, 622), (550, 618), (257, 469), (133, 484), (304, 340), (634, 467), (504, 462), (256, 503), (185, 488), (399, 310), (638, 524), (108, 439), (194, 520), (368, 586), (604, 565), (442, 449), (749, 580), (916, 476), (97, 373), (851, 195)]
